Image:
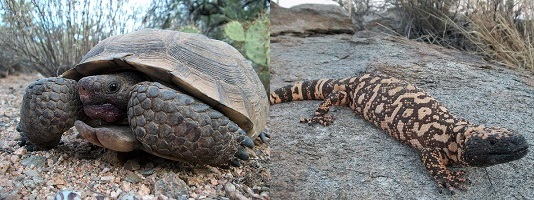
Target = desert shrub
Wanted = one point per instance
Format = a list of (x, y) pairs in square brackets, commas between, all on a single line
[(500, 30), (52, 36)]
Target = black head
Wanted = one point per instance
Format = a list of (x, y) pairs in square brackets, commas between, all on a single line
[(486, 146)]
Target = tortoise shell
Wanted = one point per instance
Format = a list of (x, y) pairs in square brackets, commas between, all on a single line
[(210, 70)]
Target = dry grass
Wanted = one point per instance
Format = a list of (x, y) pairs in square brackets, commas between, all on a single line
[(503, 36), (500, 30)]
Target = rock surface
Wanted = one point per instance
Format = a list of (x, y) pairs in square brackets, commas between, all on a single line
[(309, 19), (354, 159)]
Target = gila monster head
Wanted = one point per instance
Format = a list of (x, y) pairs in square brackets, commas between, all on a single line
[(486, 146)]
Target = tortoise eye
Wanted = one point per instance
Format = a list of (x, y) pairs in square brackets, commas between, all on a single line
[(113, 87)]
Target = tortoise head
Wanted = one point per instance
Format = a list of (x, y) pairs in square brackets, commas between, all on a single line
[(106, 96), (486, 146)]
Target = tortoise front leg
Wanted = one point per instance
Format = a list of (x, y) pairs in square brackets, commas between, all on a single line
[(49, 107), (176, 126)]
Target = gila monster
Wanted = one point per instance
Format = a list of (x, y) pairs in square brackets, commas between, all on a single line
[(412, 117)]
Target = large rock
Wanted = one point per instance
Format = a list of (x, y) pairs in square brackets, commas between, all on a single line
[(309, 19), (352, 159)]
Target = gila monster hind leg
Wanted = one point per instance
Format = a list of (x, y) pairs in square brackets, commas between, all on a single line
[(321, 116), (432, 159)]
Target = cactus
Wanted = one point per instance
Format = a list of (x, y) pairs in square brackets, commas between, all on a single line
[(256, 39), (189, 29), (257, 42), (234, 30)]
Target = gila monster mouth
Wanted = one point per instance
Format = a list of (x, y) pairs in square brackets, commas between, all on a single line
[(516, 153), (107, 112), (503, 157)]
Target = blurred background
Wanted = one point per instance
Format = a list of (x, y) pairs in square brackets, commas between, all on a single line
[(51, 36)]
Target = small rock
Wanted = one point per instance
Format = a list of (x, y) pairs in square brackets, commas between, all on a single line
[(229, 188), (31, 173), (37, 161), (107, 178), (125, 186), (20, 151), (146, 172), (132, 177), (126, 196), (132, 164), (171, 185), (144, 190), (115, 194), (4, 166), (106, 169), (57, 180), (67, 195), (14, 158), (231, 191)]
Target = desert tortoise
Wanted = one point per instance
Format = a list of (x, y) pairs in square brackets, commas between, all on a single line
[(177, 95)]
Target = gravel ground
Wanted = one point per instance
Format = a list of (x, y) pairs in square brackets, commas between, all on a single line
[(76, 166)]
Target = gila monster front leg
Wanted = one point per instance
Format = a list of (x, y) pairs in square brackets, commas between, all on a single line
[(321, 116), (435, 164)]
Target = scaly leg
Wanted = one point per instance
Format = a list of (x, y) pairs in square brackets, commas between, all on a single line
[(49, 107), (321, 116), (433, 161), (176, 126)]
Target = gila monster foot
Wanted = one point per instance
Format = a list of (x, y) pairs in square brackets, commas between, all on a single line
[(451, 181), (324, 120)]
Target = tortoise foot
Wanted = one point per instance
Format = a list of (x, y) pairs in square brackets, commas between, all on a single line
[(49, 107)]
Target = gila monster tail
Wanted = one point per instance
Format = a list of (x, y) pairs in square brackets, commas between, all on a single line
[(307, 90)]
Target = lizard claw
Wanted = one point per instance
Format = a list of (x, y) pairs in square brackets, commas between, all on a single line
[(452, 181), (324, 120)]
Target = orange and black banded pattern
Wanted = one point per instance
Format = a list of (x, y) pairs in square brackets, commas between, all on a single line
[(413, 117)]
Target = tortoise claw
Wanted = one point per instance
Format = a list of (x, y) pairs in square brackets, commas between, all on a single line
[(235, 163), (242, 154), (264, 136), (246, 141)]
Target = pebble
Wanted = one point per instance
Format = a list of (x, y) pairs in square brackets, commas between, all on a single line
[(20, 151), (171, 186), (14, 158), (126, 186), (107, 178), (67, 195), (37, 161), (132, 164), (4, 166), (231, 192), (146, 172), (31, 173), (144, 190), (57, 180), (132, 177), (126, 196)]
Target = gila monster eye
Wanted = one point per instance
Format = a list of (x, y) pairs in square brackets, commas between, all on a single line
[(113, 87)]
